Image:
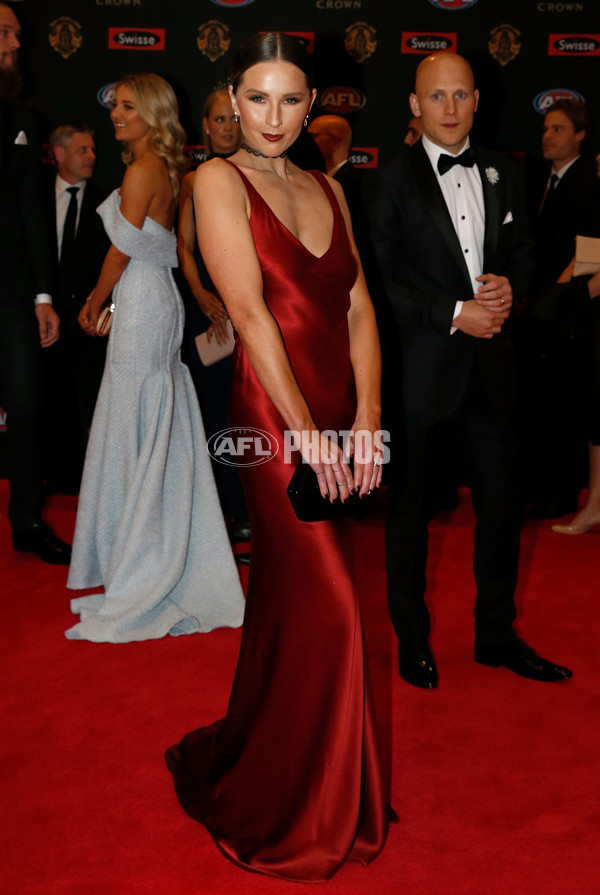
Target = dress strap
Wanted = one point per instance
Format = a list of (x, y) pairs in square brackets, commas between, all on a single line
[(245, 180)]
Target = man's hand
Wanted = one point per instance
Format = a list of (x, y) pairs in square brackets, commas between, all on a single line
[(495, 293), (478, 321), (49, 323)]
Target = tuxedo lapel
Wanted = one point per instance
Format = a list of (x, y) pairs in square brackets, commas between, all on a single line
[(436, 204), (491, 201)]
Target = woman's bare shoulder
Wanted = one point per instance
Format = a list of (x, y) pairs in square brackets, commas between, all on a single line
[(146, 172), (220, 179)]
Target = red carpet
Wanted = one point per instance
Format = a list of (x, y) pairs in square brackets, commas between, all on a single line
[(495, 778)]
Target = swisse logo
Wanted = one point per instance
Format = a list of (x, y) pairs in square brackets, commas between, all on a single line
[(242, 446), (417, 42), (547, 98), (136, 38), (106, 95), (453, 4), (341, 99), (195, 155), (574, 45), (232, 2), (362, 157)]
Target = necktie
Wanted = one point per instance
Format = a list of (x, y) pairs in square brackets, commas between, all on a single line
[(67, 251), (549, 193), (466, 159)]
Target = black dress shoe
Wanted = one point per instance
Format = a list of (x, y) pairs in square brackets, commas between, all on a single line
[(522, 659), (553, 509), (41, 540), (417, 666)]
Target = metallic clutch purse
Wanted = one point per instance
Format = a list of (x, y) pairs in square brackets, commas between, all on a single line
[(105, 319)]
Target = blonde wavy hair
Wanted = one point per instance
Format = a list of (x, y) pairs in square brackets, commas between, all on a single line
[(157, 105)]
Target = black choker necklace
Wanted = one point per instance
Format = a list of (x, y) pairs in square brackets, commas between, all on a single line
[(261, 154)]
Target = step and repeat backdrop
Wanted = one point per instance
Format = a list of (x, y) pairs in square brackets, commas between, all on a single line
[(525, 54)]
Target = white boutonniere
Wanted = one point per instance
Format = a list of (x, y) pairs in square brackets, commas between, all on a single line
[(492, 175)]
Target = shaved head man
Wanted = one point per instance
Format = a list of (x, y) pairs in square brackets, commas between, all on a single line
[(333, 136), (450, 230), (445, 100)]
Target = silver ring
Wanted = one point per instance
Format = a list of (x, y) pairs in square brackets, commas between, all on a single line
[(376, 463), (342, 484)]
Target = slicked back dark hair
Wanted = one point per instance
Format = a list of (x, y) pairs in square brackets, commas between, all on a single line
[(272, 46)]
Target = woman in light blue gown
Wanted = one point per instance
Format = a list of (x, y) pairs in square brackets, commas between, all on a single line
[(149, 524)]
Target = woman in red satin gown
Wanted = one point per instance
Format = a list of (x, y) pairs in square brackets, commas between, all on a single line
[(289, 782)]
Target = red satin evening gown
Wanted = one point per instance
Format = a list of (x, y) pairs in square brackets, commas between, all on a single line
[(289, 782)]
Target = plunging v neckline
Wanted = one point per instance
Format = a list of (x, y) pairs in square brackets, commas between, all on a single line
[(280, 222)]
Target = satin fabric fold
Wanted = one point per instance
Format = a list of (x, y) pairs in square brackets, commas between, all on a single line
[(289, 782)]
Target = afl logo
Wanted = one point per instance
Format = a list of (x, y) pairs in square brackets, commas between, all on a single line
[(232, 2), (547, 98), (453, 4), (106, 95), (574, 45), (136, 38), (417, 42), (341, 100), (242, 446)]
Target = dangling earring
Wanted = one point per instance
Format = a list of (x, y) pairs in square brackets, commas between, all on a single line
[(236, 117), (306, 121)]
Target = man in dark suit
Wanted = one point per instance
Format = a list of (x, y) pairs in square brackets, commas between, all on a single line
[(444, 217), (559, 349), (333, 136), (25, 276), (73, 366)]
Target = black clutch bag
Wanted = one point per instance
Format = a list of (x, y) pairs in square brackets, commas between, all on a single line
[(309, 506)]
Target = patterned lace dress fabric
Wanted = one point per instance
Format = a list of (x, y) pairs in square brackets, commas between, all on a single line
[(149, 524)]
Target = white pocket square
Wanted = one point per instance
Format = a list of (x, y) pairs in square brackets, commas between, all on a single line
[(21, 139), (508, 218)]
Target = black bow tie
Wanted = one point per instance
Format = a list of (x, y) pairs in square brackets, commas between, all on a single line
[(466, 159)]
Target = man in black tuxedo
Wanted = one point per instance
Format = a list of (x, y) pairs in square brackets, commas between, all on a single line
[(25, 276), (73, 366), (559, 349), (444, 217)]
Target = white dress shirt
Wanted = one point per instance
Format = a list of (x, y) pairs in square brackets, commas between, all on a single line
[(463, 194), (62, 205)]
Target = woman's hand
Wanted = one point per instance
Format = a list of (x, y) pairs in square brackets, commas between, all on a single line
[(366, 447), (331, 467), (218, 330), (210, 305), (88, 317)]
